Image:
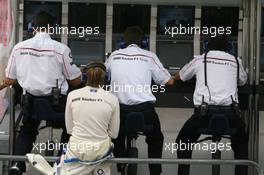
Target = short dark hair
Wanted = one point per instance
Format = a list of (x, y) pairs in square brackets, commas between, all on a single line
[(133, 35), (44, 19), (220, 42)]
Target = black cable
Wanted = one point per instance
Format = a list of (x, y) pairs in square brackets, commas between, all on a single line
[(205, 75), (238, 67)]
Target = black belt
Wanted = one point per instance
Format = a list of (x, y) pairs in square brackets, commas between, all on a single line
[(214, 108), (137, 107)]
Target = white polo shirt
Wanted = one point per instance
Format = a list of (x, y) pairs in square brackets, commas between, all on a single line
[(132, 70), (221, 78), (39, 62), (92, 114)]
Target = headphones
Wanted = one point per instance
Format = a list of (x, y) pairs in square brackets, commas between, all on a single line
[(205, 46), (93, 65), (144, 44), (230, 47), (96, 65)]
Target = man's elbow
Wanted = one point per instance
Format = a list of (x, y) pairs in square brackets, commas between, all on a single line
[(113, 134), (69, 131), (242, 83)]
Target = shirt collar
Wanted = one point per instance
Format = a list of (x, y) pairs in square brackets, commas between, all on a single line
[(218, 53), (133, 45), (42, 35)]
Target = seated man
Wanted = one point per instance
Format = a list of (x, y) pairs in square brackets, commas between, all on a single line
[(135, 68), (92, 120), (218, 74), (39, 65)]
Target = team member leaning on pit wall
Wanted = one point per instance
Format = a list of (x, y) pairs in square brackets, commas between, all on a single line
[(136, 68), (39, 65), (92, 120), (218, 74)]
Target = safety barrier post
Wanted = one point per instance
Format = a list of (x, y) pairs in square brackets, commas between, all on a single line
[(11, 121)]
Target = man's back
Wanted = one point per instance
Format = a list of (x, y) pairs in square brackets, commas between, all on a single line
[(132, 70), (94, 114), (221, 78), (38, 63)]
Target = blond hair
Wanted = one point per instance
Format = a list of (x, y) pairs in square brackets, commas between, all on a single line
[(96, 74)]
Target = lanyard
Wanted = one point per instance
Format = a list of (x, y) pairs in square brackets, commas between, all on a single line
[(205, 74)]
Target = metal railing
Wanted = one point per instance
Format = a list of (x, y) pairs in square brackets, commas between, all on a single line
[(156, 161)]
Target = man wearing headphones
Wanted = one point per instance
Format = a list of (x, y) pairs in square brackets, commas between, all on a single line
[(92, 120), (40, 65), (135, 68), (218, 74)]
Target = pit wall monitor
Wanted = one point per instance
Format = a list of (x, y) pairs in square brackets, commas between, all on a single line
[(221, 17), (32, 8), (88, 15), (174, 16), (131, 15)]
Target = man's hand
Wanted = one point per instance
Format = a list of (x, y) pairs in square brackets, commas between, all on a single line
[(177, 77), (171, 81), (7, 82)]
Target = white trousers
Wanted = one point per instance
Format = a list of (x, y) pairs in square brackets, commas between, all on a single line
[(77, 168), (74, 167)]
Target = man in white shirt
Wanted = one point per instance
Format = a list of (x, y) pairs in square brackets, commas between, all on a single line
[(218, 74), (92, 120), (38, 65), (131, 70)]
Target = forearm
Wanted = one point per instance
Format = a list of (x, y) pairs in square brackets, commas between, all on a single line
[(7, 82), (170, 81), (177, 77), (2, 86), (75, 82)]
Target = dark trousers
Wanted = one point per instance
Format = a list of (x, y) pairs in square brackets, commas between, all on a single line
[(29, 131), (190, 134), (153, 139)]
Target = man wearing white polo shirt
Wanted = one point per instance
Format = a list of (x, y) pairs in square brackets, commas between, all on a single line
[(131, 69), (218, 74), (39, 65)]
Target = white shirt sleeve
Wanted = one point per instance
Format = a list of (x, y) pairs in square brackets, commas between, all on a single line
[(107, 63), (159, 74), (68, 116), (188, 71), (70, 70), (115, 121), (242, 74), (10, 70)]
